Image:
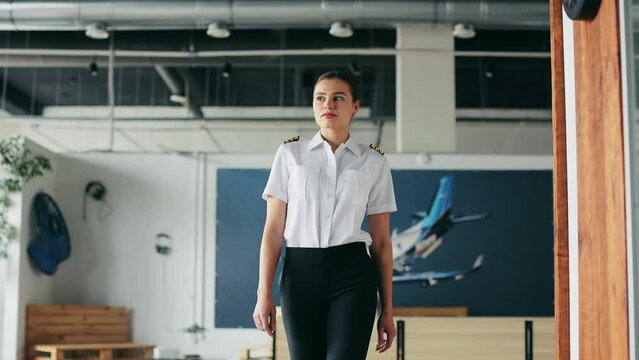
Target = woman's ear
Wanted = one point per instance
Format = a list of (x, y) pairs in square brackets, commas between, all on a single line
[(355, 107)]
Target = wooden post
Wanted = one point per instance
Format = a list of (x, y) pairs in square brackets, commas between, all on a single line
[(560, 190), (106, 354), (148, 352), (603, 283)]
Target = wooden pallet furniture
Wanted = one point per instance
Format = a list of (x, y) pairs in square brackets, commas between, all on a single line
[(81, 331), (95, 351)]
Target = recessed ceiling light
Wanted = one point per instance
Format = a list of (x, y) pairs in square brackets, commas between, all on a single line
[(341, 29), (218, 30), (464, 31), (97, 31)]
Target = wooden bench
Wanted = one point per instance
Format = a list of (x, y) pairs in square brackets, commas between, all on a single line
[(80, 331)]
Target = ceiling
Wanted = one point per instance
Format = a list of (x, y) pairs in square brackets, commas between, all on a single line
[(497, 69)]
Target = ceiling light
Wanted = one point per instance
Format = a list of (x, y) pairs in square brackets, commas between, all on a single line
[(93, 68), (490, 71), (354, 68), (341, 29), (97, 31), (464, 31), (226, 72), (218, 30)]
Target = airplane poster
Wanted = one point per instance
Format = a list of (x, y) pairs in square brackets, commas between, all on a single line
[(423, 237), (478, 239)]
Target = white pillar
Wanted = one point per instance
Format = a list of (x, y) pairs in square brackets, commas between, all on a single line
[(425, 110)]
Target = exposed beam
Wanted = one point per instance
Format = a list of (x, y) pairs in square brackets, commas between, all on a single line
[(175, 83), (503, 114), (17, 102), (266, 52), (192, 86)]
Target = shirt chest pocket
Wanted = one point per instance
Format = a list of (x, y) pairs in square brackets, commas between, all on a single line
[(305, 182), (353, 187)]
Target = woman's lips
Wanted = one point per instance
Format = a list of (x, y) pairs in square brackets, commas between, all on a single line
[(328, 115)]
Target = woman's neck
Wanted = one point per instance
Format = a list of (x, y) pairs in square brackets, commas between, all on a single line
[(334, 137)]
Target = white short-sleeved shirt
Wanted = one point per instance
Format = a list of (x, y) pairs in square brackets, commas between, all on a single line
[(328, 194)]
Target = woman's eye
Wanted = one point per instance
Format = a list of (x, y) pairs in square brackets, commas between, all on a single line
[(338, 98), (319, 98)]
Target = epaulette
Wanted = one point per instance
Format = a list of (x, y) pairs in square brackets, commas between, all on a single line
[(291, 139), (376, 148)]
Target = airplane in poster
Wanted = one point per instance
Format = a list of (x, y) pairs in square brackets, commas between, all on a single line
[(426, 235)]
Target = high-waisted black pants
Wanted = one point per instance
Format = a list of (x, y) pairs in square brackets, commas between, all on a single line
[(329, 298)]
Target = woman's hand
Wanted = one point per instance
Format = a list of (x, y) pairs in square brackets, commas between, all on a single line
[(264, 315), (385, 332)]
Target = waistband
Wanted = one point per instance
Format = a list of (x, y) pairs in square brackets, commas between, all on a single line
[(345, 251)]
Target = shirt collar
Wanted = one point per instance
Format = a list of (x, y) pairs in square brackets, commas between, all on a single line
[(350, 143)]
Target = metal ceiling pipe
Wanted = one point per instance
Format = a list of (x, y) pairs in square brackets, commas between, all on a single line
[(198, 14)]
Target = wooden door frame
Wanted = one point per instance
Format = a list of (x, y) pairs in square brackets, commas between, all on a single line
[(560, 191)]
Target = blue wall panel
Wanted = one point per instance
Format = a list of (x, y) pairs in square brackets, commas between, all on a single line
[(517, 242)]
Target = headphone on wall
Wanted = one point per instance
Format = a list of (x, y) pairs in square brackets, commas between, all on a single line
[(163, 244), (96, 191)]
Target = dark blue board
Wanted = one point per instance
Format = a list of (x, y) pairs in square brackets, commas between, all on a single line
[(517, 241)]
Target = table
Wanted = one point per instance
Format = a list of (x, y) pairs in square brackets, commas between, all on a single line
[(105, 350)]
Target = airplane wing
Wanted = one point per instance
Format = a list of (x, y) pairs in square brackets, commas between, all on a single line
[(455, 219), (419, 214), (430, 278)]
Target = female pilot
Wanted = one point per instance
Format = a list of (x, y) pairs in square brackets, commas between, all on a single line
[(317, 194)]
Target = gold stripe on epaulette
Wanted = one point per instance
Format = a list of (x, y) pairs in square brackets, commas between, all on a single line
[(377, 148), (291, 139)]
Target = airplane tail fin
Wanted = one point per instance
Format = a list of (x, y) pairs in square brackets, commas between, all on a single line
[(479, 262), (476, 265), (443, 200)]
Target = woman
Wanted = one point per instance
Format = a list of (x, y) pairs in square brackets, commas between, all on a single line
[(317, 194)]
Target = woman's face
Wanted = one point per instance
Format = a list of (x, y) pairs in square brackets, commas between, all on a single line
[(333, 104)]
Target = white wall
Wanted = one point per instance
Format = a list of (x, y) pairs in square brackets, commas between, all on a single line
[(114, 261), (23, 284), (3, 279)]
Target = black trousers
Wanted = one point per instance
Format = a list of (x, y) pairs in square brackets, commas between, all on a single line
[(329, 298)]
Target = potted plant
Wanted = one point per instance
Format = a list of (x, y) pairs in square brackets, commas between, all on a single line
[(19, 166)]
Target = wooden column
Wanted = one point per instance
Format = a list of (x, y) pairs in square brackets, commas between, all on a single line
[(603, 290)]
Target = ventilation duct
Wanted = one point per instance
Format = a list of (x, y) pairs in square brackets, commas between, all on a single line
[(198, 14)]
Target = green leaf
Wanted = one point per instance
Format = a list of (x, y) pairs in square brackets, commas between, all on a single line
[(21, 166)]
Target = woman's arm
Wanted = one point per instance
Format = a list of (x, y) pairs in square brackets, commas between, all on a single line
[(382, 254), (272, 238)]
